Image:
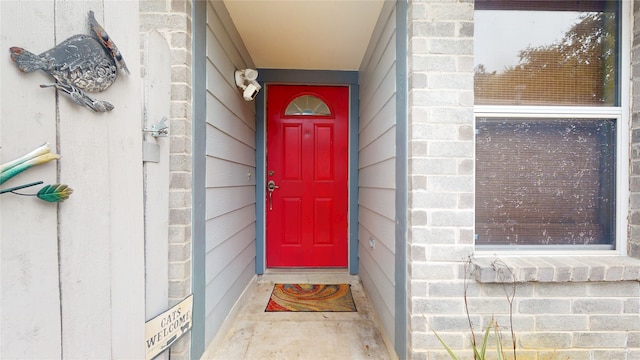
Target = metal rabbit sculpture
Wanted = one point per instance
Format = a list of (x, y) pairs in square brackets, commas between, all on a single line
[(80, 63)]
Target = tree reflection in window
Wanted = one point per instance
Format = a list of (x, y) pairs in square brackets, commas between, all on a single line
[(577, 69), (307, 105)]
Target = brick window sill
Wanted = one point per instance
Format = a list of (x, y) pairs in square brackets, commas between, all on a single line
[(562, 268)]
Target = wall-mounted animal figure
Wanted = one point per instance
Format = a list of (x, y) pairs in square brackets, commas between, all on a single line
[(86, 62)]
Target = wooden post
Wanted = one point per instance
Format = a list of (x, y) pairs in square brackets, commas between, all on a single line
[(157, 97), (101, 226), (121, 20)]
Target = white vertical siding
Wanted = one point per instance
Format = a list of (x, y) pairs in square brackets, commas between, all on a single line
[(230, 166), (377, 169), (29, 298), (73, 273)]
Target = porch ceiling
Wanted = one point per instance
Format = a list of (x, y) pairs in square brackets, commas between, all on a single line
[(305, 34)]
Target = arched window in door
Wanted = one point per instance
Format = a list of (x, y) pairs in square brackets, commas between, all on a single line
[(307, 105)]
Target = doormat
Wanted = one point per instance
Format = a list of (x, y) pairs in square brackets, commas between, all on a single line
[(311, 298)]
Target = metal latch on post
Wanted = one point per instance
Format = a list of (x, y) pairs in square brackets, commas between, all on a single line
[(160, 129)]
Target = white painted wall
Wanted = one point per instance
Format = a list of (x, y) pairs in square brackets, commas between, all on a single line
[(230, 207), (377, 169), (72, 274)]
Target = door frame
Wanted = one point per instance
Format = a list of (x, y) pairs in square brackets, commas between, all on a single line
[(307, 77)]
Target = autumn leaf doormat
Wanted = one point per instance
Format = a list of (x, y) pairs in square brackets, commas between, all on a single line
[(311, 298)]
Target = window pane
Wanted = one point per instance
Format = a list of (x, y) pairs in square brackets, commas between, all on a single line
[(526, 53), (307, 105), (545, 182)]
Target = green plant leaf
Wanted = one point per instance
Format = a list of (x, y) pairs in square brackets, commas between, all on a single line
[(498, 345), (485, 340), (451, 353), (55, 193), (476, 354)]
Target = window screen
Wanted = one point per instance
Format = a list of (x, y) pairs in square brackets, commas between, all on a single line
[(545, 181), (545, 53)]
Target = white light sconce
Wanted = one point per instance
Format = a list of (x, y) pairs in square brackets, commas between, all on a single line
[(246, 80)]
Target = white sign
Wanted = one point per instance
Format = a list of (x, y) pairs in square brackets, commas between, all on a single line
[(166, 328)]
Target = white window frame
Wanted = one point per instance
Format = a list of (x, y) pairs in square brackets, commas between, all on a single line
[(622, 115)]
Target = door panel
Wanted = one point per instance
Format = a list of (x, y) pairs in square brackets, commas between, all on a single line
[(307, 159)]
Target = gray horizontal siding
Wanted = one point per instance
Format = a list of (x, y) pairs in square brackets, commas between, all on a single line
[(230, 172), (377, 144)]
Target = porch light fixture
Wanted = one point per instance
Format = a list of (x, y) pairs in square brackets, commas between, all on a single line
[(246, 81)]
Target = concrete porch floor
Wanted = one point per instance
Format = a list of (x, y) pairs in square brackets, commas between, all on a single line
[(259, 335)]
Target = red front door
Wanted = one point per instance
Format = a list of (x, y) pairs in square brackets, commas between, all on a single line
[(307, 167)]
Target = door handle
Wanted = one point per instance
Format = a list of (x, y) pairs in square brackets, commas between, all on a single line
[(271, 186)]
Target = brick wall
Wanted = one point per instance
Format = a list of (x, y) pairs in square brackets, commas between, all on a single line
[(634, 185), (567, 307), (172, 18), (441, 168)]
